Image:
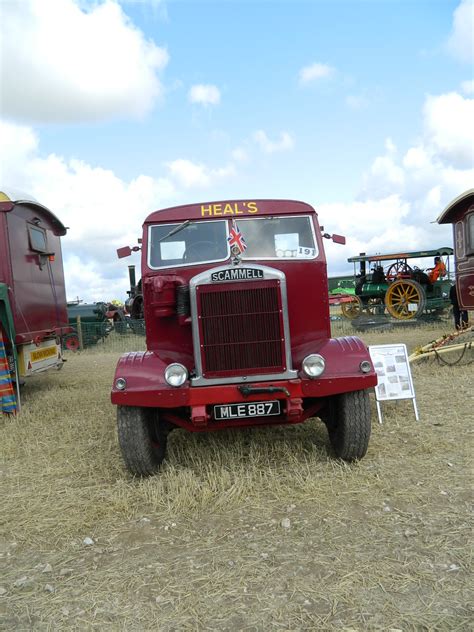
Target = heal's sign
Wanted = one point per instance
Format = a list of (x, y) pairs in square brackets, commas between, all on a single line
[(236, 208)]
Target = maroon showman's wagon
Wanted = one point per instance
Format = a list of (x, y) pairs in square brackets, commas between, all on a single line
[(238, 331), (33, 314), (460, 213)]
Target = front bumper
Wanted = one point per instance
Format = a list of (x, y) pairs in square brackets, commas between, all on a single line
[(192, 407)]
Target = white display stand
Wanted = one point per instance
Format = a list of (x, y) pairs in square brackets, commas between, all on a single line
[(394, 376)]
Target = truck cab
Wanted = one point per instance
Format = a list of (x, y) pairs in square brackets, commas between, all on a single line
[(236, 307)]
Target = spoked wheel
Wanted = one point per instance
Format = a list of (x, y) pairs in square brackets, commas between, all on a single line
[(348, 422), (398, 270), (141, 439), (405, 299), (375, 307), (352, 308)]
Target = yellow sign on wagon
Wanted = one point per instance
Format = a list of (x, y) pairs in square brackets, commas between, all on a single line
[(43, 354)]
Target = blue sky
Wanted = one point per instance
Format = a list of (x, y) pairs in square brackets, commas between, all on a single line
[(360, 108)]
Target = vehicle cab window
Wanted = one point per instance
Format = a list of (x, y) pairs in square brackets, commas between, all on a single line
[(187, 243), (279, 238)]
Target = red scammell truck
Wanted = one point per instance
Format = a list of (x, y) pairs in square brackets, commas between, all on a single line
[(238, 331)]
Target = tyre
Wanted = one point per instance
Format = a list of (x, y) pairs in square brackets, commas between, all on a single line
[(348, 423), (141, 440)]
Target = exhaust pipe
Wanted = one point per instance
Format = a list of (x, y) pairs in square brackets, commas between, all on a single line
[(131, 276)]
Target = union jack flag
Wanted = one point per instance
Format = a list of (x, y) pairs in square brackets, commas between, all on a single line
[(236, 238)]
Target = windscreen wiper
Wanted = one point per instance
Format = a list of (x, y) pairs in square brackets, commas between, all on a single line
[(175, 230)]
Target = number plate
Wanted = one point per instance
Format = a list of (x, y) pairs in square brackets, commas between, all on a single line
[(249, 409)]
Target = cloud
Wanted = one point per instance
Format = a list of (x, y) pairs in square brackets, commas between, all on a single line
[(448, 126), (205, 94), (189, 174), (468, 86), (76, 64), (239, 154), (460, 42), (403, 192), (315, 71), (102, 211), (356, 102), (285, 142)]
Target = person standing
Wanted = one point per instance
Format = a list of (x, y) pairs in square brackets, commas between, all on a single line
[(461, 318)]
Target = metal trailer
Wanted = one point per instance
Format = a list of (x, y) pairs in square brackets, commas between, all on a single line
[(33, 314), (460, 213), (398, 287), (238, 337)]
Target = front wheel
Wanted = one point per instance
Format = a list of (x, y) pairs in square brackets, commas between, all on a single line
[(141, 439), (348, 424)]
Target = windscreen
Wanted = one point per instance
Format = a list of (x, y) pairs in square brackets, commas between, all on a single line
[(185, 243), (279, 238)]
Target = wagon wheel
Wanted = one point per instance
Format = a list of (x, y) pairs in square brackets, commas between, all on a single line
[(71, 342), (399, 270), (405, 299), (352, 308)]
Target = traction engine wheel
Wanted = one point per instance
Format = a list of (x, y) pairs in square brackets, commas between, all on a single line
[(375, 307), (352, 308), (405, 299), (399, 270)]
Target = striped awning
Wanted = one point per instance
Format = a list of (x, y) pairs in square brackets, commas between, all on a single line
[(7, 392)]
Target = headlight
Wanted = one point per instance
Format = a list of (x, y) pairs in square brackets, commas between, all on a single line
[(365, 366), (120, 384), (314, 365), (176, 374)]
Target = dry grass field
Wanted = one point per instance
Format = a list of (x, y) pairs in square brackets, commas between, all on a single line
[(242, 530)]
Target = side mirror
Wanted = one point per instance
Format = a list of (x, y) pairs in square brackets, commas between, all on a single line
[(337, 239), (126, 251)]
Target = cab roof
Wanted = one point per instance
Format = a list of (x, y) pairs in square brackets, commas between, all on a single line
[(228, 209)]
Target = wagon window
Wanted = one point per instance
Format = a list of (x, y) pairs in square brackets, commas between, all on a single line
[(470, 233), (37, 239)]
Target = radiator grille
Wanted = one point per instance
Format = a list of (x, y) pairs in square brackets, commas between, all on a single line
[(241, 329)]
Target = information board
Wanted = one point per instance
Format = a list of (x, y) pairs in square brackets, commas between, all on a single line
[(393, 374)]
